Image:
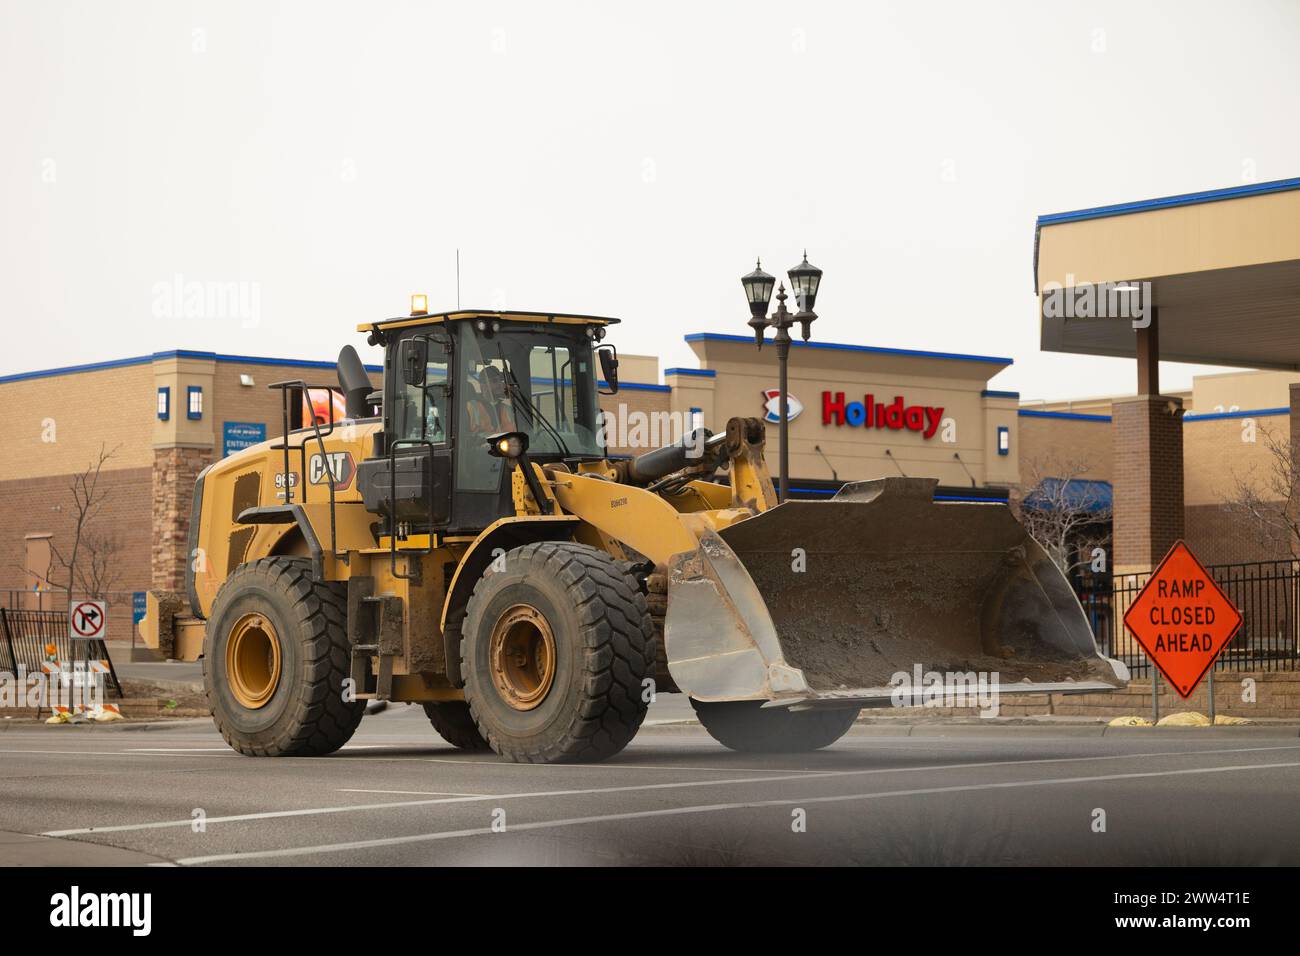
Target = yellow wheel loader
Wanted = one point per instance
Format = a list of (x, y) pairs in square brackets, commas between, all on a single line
[(462, 540)]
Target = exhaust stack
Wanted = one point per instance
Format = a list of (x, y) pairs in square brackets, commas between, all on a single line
[(355, 383)]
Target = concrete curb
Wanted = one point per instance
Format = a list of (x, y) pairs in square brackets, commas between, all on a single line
[(116, 725)]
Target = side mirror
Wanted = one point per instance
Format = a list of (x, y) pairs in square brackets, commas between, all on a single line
[(609, 367), (413, 357)]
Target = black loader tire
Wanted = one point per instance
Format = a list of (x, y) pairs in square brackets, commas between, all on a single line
[(748, 727), (455, 724), (604, 654), (306, 715)]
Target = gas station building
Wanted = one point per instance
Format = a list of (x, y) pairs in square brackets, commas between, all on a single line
[(1224, 288)]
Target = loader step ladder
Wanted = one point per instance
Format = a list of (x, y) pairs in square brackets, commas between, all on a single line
[(399, 529), (375, 629)]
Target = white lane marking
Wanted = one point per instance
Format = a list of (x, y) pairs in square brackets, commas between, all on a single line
[(489, 762), (423, 793), (711, 808), (400, 804), (484, 762), (229, 750), (92, 753)]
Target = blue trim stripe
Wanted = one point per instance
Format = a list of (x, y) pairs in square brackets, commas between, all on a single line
[(638, 387), (298, 363), (701, 372), (74, 369), (1068, 416), (840, 346), (1166, 202), (994, 393), (983, 500), (1248, 413), (172, 353)]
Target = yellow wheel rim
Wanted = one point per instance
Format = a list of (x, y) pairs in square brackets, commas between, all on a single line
[(522, 656), (253, 660)]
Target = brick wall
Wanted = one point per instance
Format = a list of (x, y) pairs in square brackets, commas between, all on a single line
[(56, 425), (174, 473), (637, 401), (234, 402), (1217, 536), (28, 506), (1148, 479)]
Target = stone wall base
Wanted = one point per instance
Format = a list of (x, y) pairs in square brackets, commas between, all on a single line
[(175, 470), (1277, 695)]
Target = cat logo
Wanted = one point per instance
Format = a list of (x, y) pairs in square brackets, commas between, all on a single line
[(341, 465)]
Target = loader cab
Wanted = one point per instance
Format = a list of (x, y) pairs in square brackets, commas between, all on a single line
[(453, 380)]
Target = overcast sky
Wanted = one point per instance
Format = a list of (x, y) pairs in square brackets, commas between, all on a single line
[(327, 159)]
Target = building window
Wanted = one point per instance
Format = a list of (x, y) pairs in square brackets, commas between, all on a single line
[(164, 403), (1004, 440), (195, 407)]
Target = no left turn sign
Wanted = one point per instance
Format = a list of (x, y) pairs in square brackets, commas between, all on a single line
[(88, 620)]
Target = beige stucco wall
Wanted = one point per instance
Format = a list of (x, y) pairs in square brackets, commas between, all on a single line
[(1172, 241), (1046, 444), (638, 368), (1241, 391), (856, 453)]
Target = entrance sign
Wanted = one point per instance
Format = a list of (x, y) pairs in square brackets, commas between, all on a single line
[(236, 436), (1182, 619), (88, 621)]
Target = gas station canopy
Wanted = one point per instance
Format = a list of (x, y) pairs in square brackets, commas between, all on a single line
[(1224, 268)]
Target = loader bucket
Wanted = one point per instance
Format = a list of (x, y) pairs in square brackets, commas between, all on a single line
[(824, 603)]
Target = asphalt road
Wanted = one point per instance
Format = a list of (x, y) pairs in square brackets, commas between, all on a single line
[(397, 795)]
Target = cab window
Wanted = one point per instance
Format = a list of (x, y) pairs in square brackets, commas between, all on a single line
[(420, 412)]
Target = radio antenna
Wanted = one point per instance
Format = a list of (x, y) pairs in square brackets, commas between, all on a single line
[(973, 483), (890, 455), (834, 474)]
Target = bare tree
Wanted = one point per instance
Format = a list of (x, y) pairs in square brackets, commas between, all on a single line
[(1065, 514), (1266, 498), (98, 567), (88, 562)]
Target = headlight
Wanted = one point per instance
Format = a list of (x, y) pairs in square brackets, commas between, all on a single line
[(508, 444)]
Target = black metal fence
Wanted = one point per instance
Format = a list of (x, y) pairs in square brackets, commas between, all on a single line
[(26, 636), (1267, 593), (121, 615)]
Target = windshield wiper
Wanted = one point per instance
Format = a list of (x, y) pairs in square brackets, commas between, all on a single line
[(518, 392)]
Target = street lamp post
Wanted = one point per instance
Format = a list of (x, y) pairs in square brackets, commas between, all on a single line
[(804, 282)]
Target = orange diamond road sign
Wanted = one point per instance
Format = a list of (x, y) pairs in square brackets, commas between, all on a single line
[(1182, 619)]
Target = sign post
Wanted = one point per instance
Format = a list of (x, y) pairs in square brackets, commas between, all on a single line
[(87, 621), (1183, 620)]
